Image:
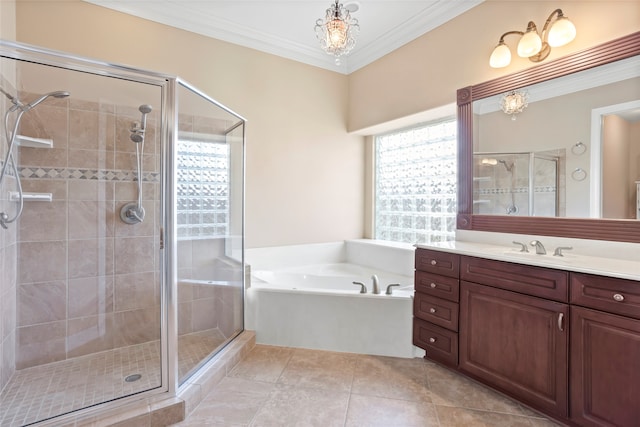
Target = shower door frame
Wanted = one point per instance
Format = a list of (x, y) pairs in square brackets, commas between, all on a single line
[(167, 253)]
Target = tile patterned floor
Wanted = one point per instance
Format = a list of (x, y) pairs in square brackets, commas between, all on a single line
[(42, 392), (278, 386)]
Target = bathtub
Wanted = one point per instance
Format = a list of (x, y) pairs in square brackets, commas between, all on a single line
[(317, 306)]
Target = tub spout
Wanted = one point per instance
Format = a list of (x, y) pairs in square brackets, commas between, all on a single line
[(376, 285)]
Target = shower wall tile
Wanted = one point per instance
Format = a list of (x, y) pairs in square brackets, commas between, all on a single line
[(43, 343), (84, 129), (90, 190), (134, 291), (92, 334), (8, 313), (91, 257), (90, 296), (203, 314), (133, 255), (136, 326), (53, 157), (44, 221), (7, 359), (42, 261), (91, 219), (48, 121), (184, 318), (42, 303)]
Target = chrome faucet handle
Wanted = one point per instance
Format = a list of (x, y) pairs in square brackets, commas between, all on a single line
[(389, 290), (523, 247), (363, 287), (559, 249), (540, 250)]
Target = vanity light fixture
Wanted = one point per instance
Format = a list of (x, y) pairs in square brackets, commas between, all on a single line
[(514, 102), (337, 32), (558, 30)]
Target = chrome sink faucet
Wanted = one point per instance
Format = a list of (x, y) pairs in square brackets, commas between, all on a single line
[(540, 250), (376, 285)]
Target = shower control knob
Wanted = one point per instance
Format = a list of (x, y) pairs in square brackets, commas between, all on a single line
[(432, 340), (433, 285)]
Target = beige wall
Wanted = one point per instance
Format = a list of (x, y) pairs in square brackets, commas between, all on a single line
[(426, 73), (304, 179), (305, 174)]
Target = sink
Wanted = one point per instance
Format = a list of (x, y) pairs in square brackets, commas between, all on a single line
[(531, 255)]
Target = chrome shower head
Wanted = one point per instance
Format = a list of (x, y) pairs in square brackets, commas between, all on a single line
[(57, 94), (145, 108)]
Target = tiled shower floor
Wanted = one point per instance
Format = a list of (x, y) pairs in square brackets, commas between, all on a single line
[(42, 392)]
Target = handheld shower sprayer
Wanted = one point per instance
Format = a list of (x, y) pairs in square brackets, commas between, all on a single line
[(133, 212), (10, 136)]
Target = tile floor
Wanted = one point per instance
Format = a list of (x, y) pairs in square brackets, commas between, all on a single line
[(279, 386), (41, 392)]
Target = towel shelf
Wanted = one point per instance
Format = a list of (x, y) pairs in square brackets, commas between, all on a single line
[(14, 196)]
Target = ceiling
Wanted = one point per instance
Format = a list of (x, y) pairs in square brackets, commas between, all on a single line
[(286, 27)]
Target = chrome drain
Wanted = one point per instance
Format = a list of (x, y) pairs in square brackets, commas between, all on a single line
[(133, 378)]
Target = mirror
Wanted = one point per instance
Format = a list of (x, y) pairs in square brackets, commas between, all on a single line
[(549, 171)]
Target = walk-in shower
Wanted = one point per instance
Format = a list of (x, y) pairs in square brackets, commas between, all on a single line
[(124, 273), (529, 183)]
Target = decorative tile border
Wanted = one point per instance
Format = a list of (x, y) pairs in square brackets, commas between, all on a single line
[(85, 174)]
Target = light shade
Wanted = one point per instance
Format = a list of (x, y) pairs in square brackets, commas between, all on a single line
[(561, 32), (337, 31), (530, 43), (501, 56)]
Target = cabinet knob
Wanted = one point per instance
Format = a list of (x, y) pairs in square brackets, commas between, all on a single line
[(432, 310), (432, 340), (618, 297), (433, 285), (433, 262)]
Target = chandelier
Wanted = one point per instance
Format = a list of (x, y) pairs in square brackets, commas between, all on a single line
[(337, 32), (514, 102)]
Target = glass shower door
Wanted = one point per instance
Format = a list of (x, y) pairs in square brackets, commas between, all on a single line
[(81, 281), (210, 180)]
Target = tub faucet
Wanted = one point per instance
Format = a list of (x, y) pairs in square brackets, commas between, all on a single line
[(539, 248), (376, 286)]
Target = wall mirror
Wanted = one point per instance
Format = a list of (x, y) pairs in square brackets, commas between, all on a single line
[(566, 164)]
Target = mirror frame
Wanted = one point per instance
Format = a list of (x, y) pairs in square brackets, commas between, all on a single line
[(622, 230)]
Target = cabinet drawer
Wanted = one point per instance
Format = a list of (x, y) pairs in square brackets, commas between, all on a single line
[(617, 296), (536, 281), (439, 286), (437, 262), (435, 310), (439, 343)]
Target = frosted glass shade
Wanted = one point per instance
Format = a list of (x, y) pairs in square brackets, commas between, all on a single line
[(500, 57), (530, 44), (561, 32)]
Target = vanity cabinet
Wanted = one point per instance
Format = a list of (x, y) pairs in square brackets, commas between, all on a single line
[(605, 351), (564, 343), (435, 305), (517, 342)]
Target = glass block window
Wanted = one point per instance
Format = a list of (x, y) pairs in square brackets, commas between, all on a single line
[(203, 189), (415, 184)]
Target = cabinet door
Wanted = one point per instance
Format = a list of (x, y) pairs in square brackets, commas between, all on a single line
[(605, 369), (516, 343)]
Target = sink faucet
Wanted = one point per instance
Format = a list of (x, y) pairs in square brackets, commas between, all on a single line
[(539, 248), (376, 286)]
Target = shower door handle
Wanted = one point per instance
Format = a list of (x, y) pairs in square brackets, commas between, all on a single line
[(161, 238)]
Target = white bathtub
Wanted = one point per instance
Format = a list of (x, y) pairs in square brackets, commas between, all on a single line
[(316, 306)]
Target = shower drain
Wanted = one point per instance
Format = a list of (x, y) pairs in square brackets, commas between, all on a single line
[(133, 377)]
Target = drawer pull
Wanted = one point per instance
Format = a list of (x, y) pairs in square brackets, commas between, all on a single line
[(432, 310), (618, 297), (432, 340), (433, 262), (560, 322), (433, 285)]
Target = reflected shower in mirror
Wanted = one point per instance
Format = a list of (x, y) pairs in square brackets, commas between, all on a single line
[(597, 110)]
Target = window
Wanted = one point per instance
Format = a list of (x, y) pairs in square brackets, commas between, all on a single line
[(415, 184), (203, 189)]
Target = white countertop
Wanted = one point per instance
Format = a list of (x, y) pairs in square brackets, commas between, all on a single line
[(620, 268)]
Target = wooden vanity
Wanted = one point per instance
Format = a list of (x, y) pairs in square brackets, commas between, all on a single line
[(562, 342)]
